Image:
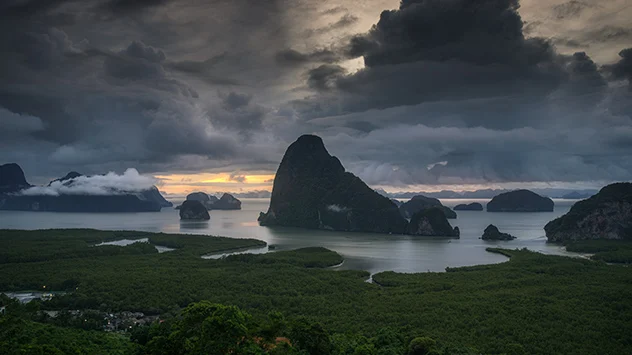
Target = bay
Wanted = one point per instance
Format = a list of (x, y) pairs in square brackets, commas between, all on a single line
[(365, 251)]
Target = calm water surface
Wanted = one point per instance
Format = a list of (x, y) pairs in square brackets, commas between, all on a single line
[(372, 252)]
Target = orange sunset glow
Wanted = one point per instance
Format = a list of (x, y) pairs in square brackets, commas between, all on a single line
[(182, 184)]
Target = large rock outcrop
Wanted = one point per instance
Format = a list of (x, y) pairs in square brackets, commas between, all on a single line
[(606, 215), (419, 203), (12, 178), (520, 201), (431, 222), (313, 190), (492, 233), (226, 202), (193, 210), (206, 199), (474, 206)]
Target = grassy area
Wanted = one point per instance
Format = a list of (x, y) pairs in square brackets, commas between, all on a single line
[(531, 304)]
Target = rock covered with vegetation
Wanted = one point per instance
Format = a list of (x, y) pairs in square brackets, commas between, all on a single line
[(312, 190), (520, 201), (206, 199), (606, 215), (431, 222), (12, 178), (226, 202), (474, 206), (194, 210), (420, 202), (492, 233)]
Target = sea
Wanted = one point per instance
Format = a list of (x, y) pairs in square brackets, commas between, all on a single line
[(361, 251)]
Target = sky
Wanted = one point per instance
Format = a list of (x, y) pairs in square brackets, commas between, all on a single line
[(412, 95)]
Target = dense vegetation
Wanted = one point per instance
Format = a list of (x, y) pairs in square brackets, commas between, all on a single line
[(611, 251), (55, 244), (610, 211), (19, 334), (532, 304)]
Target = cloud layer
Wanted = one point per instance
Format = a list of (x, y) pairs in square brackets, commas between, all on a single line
[(496, 91), (109, 184)]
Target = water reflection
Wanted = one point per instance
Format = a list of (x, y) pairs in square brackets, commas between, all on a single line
[(366, 251), (193, 225)]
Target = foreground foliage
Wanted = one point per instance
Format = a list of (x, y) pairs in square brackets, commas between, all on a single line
[(532, 304)]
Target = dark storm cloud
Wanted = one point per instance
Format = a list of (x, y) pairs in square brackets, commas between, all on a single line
[(28, 7), (131, 6), (335, 10), (482, 32), (623, 68), (325, 76), (141, 63), (437, 50), (345, 21), (238, 111), (199, 85), (570, 9), (293, 57), (234, 101), (571, 43), (608, 34), (15, 126), (583, 81), (457, 82), (204, 70)]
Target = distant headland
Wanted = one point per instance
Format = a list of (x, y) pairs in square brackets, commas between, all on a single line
[(75, 192)]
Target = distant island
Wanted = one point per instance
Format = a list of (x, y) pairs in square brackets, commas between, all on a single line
[(606, 215), (313, 190), (492, 233), (75, 193), (561, 193), (520, 201), (419, 203), (474, 206), (226, 202)]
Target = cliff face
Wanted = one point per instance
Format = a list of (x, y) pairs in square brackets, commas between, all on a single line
[(154, 195), (194, 210), (431, 222), (312, 190), (12, 178), (520, 201), (606, 215), (420, 202)]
